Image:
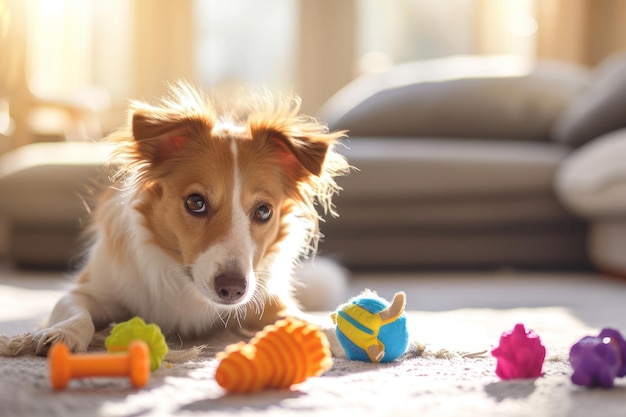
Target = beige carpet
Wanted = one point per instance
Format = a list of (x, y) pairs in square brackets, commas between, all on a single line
[(459, 313)]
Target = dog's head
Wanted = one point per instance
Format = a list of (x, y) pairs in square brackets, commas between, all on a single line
[(226, 198)]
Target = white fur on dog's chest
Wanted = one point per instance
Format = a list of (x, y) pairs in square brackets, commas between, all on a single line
[(167, 299)]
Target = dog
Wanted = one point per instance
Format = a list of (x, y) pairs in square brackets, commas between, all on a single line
[(205, 218)]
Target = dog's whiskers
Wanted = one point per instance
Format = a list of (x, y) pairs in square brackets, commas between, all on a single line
[(259, 305), (223, 319), (262, 294), (240, 313)]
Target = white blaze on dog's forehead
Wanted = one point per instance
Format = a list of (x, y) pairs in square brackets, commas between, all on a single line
[(237, 180), (236, 249), (240, 232), (240, 220)]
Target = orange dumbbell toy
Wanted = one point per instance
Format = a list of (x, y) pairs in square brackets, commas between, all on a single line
[(280, 355), (135, 364)]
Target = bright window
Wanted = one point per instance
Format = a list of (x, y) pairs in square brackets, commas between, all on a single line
[(245, 42), (404, 30)]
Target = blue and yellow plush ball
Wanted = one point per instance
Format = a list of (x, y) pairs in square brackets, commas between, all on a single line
[(370, 329)]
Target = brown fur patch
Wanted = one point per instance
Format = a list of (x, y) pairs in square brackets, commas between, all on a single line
[(204, 167)]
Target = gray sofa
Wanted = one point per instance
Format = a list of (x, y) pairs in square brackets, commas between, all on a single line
[(474, 163)]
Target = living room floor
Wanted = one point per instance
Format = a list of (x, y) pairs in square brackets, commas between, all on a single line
[(460, 314)]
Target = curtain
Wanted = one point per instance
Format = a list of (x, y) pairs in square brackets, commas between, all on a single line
[(580, 31)]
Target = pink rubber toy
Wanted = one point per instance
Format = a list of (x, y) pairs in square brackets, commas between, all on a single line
[(520, 354)]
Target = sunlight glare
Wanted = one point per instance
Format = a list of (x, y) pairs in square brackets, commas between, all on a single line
[(523, 24)]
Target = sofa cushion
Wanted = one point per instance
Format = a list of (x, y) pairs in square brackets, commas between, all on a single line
[(433, 168), (592, 181), (437, 215), (461, 97), (600, 108)]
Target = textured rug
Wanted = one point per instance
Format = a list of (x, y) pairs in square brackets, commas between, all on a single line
[(449, 378)]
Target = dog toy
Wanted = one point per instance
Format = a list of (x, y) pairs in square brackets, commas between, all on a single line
[(372, 330), (136, 329), (598, 360), (520, 354), (279, 356), (135, 364)]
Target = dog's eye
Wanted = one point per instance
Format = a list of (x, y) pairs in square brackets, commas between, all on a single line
[(194, 203), (263, 213)]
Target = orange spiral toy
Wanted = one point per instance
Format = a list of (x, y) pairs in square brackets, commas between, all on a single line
[(279, 356)]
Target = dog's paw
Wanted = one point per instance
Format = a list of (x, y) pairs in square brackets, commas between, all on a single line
[(16, 345), (76, 341)]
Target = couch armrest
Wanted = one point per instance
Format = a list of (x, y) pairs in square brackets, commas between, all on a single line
[(43, 182), (42, 191), (591, 181)]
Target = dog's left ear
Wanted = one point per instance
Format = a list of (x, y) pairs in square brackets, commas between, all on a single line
[(307, 152), (304, 145)]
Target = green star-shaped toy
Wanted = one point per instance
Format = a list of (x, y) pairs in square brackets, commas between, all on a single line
[(136, 329)]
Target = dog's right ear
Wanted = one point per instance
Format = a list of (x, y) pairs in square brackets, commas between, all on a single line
[(158, 135), (157, 138), (160, 131)]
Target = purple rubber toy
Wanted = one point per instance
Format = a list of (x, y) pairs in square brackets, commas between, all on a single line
[(598, 360)]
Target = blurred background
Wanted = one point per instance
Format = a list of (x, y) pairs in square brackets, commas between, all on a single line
[(97, 54), (68, 67)]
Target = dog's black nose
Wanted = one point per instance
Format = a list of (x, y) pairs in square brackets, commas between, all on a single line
[(230, 287)]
